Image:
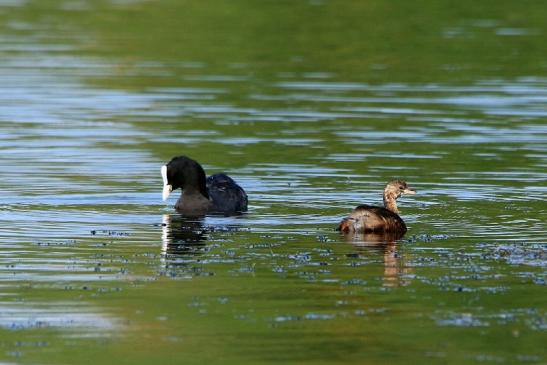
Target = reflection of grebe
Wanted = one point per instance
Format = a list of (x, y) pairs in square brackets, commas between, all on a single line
[(370, 219), (394, 267), (216, 194), (183, 236)]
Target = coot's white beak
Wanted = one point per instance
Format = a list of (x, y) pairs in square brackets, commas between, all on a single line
[(167, 189)]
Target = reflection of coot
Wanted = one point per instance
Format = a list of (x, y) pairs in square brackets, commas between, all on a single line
[(183, 235)]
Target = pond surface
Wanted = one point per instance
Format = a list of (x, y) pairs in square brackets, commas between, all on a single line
[(312, 106)]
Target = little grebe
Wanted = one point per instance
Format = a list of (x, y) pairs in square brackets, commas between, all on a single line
[(371, 219), (216, 194)]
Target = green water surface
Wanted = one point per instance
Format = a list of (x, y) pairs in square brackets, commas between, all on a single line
[(312, 106)]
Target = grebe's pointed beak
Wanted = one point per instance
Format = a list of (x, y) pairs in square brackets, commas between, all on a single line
[(167, 189), (409, 191)]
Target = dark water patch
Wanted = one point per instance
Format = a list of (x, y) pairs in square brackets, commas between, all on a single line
[(517, 254), (462, 320)]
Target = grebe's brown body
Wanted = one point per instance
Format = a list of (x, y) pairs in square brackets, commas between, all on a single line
[(371, 219)]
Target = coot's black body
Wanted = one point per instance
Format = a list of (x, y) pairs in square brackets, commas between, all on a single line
[(225, 194), (218, 194)]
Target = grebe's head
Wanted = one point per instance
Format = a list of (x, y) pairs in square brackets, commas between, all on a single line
[(396, 188)]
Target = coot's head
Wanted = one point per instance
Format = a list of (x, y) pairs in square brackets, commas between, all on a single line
[(396, 188), (184, 173)]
